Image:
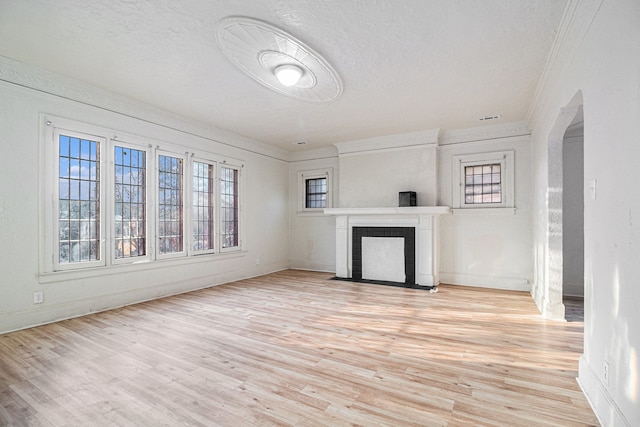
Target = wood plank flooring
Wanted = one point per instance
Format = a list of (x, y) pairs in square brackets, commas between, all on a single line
[(298, 349)]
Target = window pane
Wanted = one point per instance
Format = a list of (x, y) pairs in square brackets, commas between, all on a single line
[(316, 193), (202, 231), (130, 206), (483, 182), (79, 227), (229, 207), (170, 205)]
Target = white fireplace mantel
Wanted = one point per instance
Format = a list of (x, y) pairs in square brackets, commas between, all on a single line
[(425, 219)]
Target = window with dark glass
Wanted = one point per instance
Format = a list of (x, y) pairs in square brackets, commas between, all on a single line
[(315, 193), (130, 202), (170, 204), (229, 207), (78, 200), (203, 206), (483, 184)]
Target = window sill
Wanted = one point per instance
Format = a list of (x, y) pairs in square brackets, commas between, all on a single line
[(82, 273), (484, 211), (319, 212)]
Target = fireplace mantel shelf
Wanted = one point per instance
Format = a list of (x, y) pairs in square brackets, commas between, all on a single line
[(413, 210)]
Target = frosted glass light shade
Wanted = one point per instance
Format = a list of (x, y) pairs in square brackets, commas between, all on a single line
[(288, 74)]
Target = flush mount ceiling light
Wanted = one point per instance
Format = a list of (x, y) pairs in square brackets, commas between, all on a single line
[(288, 74), (277, 60)]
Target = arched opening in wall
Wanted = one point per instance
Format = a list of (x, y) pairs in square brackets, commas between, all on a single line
[(565, 200), (573, 219)]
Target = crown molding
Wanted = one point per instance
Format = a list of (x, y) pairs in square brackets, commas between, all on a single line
[(484, 133), (576, 21), (396, 141), (314, 154), (38, 79)]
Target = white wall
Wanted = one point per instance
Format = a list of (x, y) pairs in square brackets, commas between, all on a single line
[(72, 294), (312, 244), (487, 247), (373, 171), (374, 179), (597, 59)]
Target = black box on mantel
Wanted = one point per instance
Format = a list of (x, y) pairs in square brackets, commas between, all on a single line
[(408, 198)]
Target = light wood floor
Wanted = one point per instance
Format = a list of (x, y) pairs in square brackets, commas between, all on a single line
[(295, 348)]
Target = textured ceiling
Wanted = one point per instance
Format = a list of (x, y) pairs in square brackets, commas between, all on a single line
[(406, 65)]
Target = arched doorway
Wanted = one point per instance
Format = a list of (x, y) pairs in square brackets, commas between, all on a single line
[(573, 219), (565, 229)]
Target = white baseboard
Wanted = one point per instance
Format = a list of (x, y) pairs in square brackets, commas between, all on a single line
[(323, 268), (599, 398), (51, 313), (492, 282)]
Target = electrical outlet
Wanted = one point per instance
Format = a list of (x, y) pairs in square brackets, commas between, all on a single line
[(38, 297), (605, 373), (257, 261)]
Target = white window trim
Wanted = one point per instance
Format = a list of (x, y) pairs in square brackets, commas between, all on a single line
[(54, 189), (302, 189), (50, 271), (191, 207), (150, 198), (239, 166), (183, 252), (504, 158)]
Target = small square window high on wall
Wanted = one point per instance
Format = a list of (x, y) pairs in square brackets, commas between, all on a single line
[(484, 180), (314, 190)]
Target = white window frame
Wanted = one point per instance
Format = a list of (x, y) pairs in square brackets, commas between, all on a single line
[(216, 202), (48, 165), (52, 187), (239, 166), (303, 176), (149, 199), (506, 161), (185, 220)]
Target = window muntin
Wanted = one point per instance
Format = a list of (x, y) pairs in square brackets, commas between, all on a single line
[(78, 201), (130, 203), (483, 184), (170, 204), (203, 225), (229, 212), (315, 193)]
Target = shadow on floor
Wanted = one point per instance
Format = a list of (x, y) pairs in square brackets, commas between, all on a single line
[(573, 309)]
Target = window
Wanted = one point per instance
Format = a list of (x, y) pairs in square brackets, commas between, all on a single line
[(483, 184), (314, 190), (130, 179), (170, 234), (78, 201), (483, 180), (229, 207), (203, 206), (102, 197), (315, 193)]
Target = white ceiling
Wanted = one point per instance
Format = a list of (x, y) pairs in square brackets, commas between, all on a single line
[(406, 65)]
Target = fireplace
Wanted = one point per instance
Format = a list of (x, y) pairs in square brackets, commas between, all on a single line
[(421, 241), (400, 249)]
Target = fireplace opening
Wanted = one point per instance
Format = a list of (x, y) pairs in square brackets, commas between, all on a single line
[(387, 260)]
